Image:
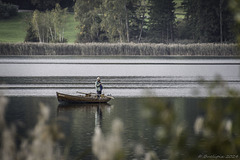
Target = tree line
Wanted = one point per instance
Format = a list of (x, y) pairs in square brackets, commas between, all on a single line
[(209, 20), (41, 5), (134, 21), (125, 20)]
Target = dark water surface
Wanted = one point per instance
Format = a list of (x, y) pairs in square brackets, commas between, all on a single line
[(28, 81), (78, 122)]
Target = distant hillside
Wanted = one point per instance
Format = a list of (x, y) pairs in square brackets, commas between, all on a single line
[(14, 29)]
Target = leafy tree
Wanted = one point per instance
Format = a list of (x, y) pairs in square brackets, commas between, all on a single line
[(162, 20), (87, 13), (59, 20), (123, 20), (39, 26), (48, 26), (115, 20)]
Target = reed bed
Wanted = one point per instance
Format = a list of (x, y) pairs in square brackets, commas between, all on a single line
[(120, 49)]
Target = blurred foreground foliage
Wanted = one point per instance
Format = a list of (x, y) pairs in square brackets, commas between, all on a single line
[(216, 132), (40, 144), (109, 147)]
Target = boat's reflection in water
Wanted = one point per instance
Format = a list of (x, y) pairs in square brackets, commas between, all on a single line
[(97, 108)]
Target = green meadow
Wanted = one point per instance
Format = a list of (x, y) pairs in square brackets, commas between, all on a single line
[(71, 31), (14, 29)]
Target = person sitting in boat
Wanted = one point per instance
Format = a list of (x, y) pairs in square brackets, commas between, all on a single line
[(98, 86)]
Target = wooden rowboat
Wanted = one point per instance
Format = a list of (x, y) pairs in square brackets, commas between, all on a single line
[(83, 98)]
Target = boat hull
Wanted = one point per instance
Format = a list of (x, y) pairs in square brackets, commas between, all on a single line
[(65, 98)]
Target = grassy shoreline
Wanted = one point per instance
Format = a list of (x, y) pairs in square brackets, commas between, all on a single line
[(120, 49)]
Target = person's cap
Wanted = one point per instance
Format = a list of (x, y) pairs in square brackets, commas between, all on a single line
[(98, 78)]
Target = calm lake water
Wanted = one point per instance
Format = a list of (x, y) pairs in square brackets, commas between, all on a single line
[(122, 77), (27, 81)]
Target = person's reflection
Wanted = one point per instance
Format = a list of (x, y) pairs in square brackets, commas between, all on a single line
[(93, 108), (98, 117)]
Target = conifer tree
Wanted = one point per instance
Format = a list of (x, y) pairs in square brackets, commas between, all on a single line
[(209, 20), (235, 8), (162, 20), (138, 19)]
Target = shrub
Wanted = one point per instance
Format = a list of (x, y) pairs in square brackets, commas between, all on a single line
[(31, 35), (216, 130), (7, 10)]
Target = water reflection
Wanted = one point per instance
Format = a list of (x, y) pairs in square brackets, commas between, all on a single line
[(84, 106), (78, 122), (98, 117), (87, 107)]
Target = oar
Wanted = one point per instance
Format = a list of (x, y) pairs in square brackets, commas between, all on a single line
[(83, 92), (109, 97)]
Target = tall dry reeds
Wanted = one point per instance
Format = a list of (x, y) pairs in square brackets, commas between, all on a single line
[(110, 147), (41, 143), (120, 49)]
